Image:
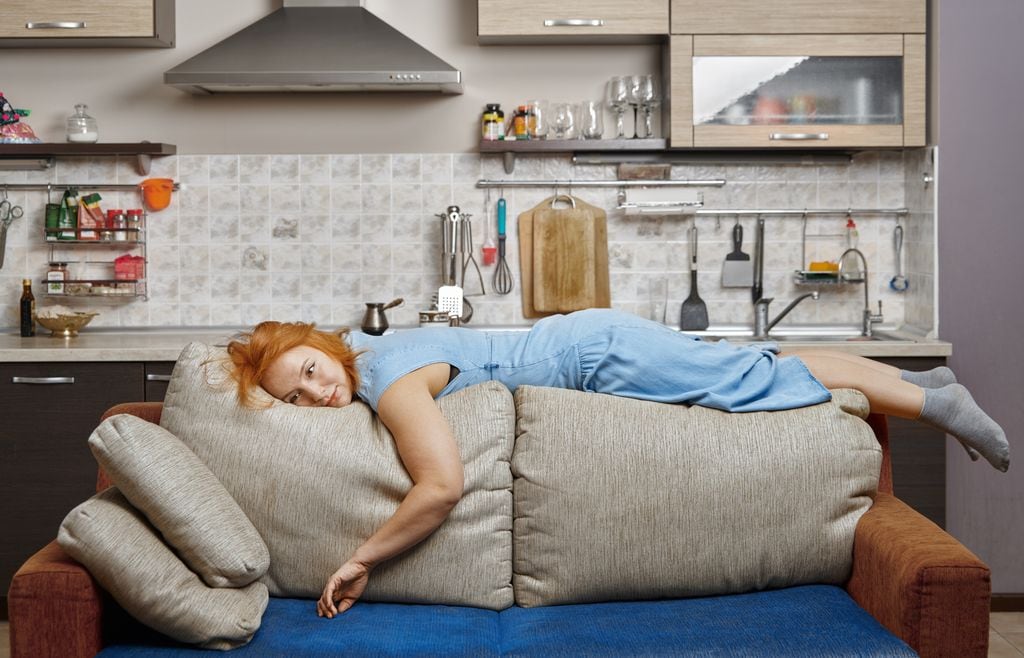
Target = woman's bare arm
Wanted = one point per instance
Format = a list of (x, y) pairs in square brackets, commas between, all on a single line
[(428, 451)]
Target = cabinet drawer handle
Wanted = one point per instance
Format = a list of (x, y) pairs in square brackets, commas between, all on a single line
[(574, 22), (56, 25), (798, 136), (158, 378), (42, 380)]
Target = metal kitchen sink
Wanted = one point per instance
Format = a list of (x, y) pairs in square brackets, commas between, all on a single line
[(811, 334)]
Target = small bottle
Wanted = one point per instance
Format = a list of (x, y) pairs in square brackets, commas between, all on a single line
[(117, 221), (520, 123), (81, 127), (28, 309), (851, 264), (69, 221), (133, 224), (493, 123), (55, 278)]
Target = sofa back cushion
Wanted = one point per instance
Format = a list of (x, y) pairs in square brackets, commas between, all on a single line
[(623, 499), (316, 483)]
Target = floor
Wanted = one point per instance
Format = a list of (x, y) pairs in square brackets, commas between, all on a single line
[(1006, 636)]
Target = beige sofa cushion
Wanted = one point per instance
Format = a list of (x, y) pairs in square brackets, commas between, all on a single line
[(317, 482), (127, 557), (161, 477), (622, 499)]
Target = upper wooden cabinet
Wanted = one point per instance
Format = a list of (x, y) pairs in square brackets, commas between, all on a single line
[(572, 21), (798, 16), (85, 23), (809, 91)]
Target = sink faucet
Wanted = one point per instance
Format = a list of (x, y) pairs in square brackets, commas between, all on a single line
[(761, 323), (868, 319)]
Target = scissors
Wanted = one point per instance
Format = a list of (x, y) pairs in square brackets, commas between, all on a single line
[(8, 213)]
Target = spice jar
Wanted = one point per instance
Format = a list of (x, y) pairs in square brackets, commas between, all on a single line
[(493, 123), (118, 223), (133, 224), (55, 278)]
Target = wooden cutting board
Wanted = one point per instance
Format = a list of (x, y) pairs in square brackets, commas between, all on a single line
[(563, 256)]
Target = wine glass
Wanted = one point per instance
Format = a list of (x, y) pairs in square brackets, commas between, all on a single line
[(649, 100), (634, 97), (564, 121), (617, 101)]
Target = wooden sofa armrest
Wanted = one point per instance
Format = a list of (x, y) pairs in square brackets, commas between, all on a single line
[(54, 608), (920, 582)]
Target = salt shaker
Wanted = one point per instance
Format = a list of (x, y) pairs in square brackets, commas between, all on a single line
[(81, 127)]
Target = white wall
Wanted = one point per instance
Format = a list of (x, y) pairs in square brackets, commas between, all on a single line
[(125, 92)]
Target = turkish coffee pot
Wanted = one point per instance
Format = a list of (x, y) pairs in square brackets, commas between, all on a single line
[(375, 322)]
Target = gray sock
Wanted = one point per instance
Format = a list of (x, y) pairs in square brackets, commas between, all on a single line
[(953, 410), (934, 378)]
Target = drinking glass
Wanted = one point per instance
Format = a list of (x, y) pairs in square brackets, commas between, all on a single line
[(634, 97), (564, 121), (649, 100), (591, 120), (538, 121), (617, 101)]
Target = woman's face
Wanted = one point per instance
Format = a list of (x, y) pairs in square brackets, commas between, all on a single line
[(309, 378)]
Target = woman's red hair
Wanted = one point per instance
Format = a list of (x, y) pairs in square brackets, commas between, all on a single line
[(253, 352)]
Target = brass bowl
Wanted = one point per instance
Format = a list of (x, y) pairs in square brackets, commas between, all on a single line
[(65, 325)]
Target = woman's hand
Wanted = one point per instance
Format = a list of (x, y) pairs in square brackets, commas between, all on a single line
[(343, 588)]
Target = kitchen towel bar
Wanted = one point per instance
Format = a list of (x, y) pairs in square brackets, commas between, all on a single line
[(570, 183)]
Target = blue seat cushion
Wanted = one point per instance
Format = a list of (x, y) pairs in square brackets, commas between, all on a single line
[(814, 620)]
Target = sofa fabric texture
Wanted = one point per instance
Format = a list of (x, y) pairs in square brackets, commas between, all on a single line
[(131, 561), (619, 499), (317, 482), (164, 479)]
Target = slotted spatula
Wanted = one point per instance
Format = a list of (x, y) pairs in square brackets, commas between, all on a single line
[(694, 314)]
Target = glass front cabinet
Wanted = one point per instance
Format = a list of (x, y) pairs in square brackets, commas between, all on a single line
[(751, 74)]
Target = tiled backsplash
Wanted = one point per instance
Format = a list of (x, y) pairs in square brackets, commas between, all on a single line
[(313, 237)]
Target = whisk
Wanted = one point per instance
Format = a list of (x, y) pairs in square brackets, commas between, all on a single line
[(502, 272)]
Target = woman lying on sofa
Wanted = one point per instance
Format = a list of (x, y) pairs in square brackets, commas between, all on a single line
[(601, 351)]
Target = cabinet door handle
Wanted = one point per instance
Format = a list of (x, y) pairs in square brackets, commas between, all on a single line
[(56, 25), (42, 380), (574, 22), (798, 136), (158, 378)]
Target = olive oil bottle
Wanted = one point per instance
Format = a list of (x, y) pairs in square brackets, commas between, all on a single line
[(28, 309)]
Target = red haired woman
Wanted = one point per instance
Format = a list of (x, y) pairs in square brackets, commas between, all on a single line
[(601, 351)]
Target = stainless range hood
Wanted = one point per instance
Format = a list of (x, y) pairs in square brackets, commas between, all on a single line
[(311, 45)]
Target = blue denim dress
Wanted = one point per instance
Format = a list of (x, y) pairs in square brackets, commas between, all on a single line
[(599, 351)]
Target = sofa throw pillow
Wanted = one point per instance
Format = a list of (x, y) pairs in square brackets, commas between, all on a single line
[(127, 557), (622, 499), (161, 477), (316, 483)]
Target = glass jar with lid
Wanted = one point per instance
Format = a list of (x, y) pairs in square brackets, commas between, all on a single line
[(81, 127)]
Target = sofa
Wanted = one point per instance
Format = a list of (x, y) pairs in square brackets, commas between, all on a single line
[(703, 575)]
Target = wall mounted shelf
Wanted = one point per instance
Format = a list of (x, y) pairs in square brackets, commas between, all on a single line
[(509, 148), (44, 153)]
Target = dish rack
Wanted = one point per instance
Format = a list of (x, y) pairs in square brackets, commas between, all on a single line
[(821, 277)]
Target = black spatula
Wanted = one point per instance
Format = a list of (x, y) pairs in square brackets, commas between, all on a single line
[(694, 314)]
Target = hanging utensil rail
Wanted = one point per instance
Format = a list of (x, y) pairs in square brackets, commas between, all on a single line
[(804, 211), (570, 183), (48, 187)]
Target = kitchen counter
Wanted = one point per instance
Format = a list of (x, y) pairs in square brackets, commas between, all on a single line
[(166, 344)]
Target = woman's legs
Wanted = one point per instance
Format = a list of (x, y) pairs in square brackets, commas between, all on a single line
[(881, 384), (949, 408)]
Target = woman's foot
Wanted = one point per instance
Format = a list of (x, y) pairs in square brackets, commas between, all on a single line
[(953, 410), (934, 378)]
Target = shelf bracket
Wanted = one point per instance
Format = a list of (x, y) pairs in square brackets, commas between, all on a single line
[(508, 158), (143, 162)]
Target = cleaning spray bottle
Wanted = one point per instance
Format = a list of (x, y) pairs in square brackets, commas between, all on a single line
[(851, 264)]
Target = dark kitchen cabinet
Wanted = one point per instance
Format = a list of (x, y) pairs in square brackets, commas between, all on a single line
[(158, 374), (48, 411)]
